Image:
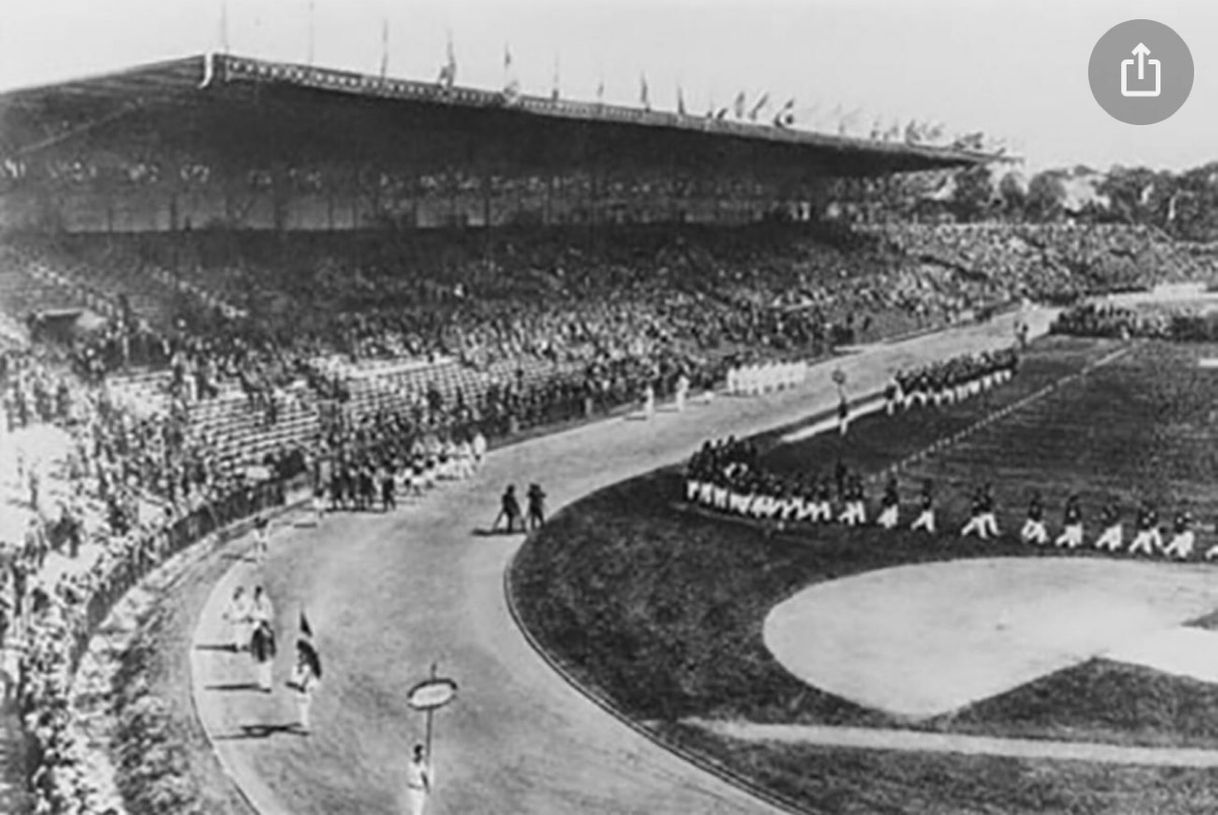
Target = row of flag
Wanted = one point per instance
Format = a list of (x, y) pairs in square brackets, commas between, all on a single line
[(786, 116)]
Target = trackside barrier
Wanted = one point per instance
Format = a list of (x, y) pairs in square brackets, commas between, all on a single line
[(151, 551)]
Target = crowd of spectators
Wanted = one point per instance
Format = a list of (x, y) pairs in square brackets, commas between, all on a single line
[(1054, 262), (122, 494), (631, 297), (546, 295)]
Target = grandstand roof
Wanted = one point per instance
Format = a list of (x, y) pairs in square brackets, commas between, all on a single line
[(251, 109)]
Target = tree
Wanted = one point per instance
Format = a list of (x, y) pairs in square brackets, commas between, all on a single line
[(974, 189), (1127, 189), (1192, 212), (1046, 195), (1013, 195)]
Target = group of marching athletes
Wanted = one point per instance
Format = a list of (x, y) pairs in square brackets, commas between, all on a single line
[(364, 482), (726, 476), (762, 377), (1148, 535), (951, 381)]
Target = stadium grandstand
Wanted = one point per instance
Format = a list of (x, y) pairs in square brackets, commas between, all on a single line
[(225, 280)]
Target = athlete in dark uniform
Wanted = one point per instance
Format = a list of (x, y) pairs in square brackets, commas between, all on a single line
[(1034, 527)]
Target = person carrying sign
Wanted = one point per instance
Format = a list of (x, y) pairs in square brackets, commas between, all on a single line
[(418, 781), (306, 675)]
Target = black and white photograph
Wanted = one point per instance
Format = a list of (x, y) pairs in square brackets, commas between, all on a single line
[(608, 407)]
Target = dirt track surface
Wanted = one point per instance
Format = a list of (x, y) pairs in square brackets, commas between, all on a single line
[(387, 595)]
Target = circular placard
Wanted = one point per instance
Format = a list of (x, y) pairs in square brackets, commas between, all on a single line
[(432, 693)]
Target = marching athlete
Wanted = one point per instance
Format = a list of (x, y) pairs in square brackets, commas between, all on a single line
[(1034, 527), (418, 781), (1148, 539), (237, 615), (855, 512), (889, 505), (926, 518), (261, 533), (1072, 521), (1183, 539), (262, 650), (823, 508), (479, 447), (306, 676), (982, 521), (682, 392), (1111, 538), (319, 505)]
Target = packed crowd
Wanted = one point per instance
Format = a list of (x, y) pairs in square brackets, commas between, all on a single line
[(606, 309), (123, 493), (1055, 262), (542, 295)]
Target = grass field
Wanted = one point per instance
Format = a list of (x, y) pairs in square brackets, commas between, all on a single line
[(877, 440), (1140, 426), (662, 610)]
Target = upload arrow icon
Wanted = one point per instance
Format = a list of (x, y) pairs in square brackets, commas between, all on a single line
[(1141, 52), (1140, 72)]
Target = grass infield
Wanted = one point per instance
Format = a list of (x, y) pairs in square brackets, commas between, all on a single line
[(661, 610)]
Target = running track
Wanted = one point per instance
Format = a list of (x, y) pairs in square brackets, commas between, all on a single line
[(389, 594)]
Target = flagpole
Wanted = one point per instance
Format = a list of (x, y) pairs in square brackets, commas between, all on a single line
[(224, 26), (311, 33), (430, 713), (384, 47)]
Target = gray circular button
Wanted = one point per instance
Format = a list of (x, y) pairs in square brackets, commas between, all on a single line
[(1141, 72)]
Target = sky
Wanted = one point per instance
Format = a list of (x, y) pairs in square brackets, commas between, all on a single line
[(1015, 69)]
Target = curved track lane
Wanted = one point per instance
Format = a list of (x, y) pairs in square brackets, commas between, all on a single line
[(389, 594)]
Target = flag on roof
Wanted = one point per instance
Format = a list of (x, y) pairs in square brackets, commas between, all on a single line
[(759, 105), (448, 71), (786, 114), (511, 85)]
